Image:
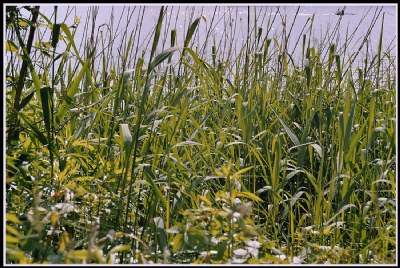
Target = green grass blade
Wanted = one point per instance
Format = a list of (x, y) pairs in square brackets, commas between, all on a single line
[(45, 99), (37, 134), (290, 133), (151, 179), (157, 33), (25, 100), (66, 104), (162, 57)]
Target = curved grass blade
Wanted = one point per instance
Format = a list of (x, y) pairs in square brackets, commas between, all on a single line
[(290, 133), (162, 56), (36, 132), (25, 101), (191, 31), (55, 34), (157, 33), (45, 99), (151, 179), (71, 93)]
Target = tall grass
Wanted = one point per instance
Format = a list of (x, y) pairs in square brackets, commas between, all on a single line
[(171, 156)]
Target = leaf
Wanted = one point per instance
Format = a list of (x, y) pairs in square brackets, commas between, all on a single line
[(191, 30), (219, 173), (126, 134), (233, 143), (71, 93), (296, 197), (36, 132), (178, 239), (317, 149), (159, 222), (249, 196), (340, 211), (290, 133), (237, 174), (151, 179), (12, 239), (12, 218), (12, 230), (291, 174), (120, 248), (259, 134), (53, 218), (350, 191), (25, 101), (55, 34), (78, 254), (83, 143), (22, 22), (11, 46), (205, 200), (162, 56), (354, 141), (45, 100), (186, 143), (66, 30), (157, 34), (347, 137)]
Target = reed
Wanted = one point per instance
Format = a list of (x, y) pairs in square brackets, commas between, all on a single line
[(163, 149)]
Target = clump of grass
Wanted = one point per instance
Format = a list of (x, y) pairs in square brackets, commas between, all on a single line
[(176, 157)]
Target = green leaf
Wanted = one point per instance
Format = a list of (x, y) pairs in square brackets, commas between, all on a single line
[(157, 34), (120, 248), (162, 56), (11, 46), (340, 211), (186, 143), (238, 173), (162, 238), (25, 101), (12, 230), (12, 218), (71, 93), (354, 141), (350, 191), (290, 133), (55, 34), (126, 134), (36, 132), (191, 31), (70, 38), (178, 241), (249, 196), (151, 179), (45, 99), (317, 149), (350, 119), (78, 254), (12, 239)]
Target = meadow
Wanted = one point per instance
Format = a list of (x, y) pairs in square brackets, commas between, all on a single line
[(246, 156)]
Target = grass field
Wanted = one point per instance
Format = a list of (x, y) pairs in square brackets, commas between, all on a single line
[(178, 158)]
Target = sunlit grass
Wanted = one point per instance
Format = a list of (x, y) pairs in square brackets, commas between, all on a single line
[(173, 157)]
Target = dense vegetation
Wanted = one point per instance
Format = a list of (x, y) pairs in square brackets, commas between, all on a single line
[(168, 156)]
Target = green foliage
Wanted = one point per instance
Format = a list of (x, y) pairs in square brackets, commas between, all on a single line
[(241, 158)]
